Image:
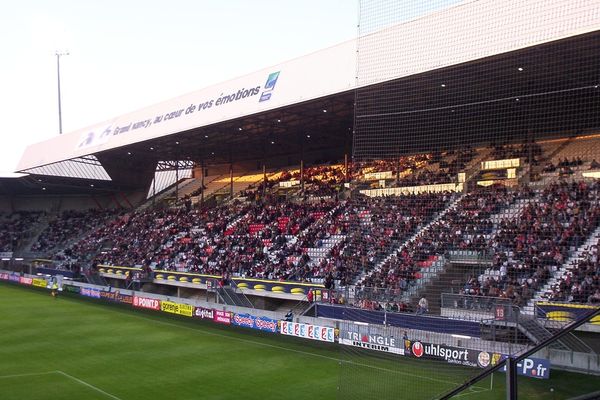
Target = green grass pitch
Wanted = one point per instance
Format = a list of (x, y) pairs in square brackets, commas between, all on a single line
[(73, 348)]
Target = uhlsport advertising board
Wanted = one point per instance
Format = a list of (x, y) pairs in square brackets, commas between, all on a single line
[(531, 367), (308, 331)]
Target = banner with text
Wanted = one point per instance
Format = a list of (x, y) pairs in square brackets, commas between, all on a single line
[(222, 317), (308, 331), (146, 302), (177, 308)]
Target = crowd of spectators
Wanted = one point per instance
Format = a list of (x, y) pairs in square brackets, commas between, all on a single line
[(265, 236), (465, 227), (70, 225), (528, 248), (16, 227), (564, 166), (525, 151), (581, 284)]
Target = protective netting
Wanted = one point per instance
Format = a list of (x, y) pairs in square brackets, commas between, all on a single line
[(474, 193)]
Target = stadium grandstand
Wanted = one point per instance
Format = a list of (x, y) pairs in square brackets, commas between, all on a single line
[(429, 190)]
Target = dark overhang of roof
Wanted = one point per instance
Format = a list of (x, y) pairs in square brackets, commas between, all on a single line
[(477, 101)]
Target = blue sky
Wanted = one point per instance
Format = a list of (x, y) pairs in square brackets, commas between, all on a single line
[(128, 54)]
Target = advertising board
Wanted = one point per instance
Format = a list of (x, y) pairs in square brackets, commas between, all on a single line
[(250, 321), (308, 331), (146, 302), (177, 308), (222, 317), (117, 297), (388, 344), (38, 282), (204, 313), (90, 292)]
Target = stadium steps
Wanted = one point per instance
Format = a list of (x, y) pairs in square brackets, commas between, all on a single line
[(542, 294), (95, 279), (474, 166), (535, 330), (229, 296), (445, 278), (25, 246)]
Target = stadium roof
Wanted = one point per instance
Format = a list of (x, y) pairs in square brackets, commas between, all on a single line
[(307, 103)]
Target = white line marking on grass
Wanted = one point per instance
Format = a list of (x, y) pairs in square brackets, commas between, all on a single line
[(84, 383), (199, 330), (30, 374), (471, 390)]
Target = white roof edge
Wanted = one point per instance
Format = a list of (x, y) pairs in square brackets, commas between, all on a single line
[(333, 70)]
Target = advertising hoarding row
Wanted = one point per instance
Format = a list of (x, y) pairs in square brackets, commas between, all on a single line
[(530, 367)]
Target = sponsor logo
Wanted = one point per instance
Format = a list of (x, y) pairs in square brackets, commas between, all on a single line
[(222, 317), (204, 313), (372, 339), (72, 289), (483, 359), (243, 320), (269, 86), (266, 324), (117, 296), (566, 312), (308, 331), (372, 346), (90, 292), (4, 276), (452, 355), (177, 308), (145, 302), (532, 367), (417, 349), (25, 281), (14, 278), (39, 282), (250, 321)]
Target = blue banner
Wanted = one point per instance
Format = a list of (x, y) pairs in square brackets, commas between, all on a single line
[(404, 320), (532, 367), (564, 312), (90, 292), (250, 321)]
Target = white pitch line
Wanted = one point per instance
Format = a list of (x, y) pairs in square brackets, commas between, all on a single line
[(29, 374), (97, 389), (473, 391)]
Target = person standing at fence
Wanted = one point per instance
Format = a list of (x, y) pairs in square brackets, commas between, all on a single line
[(423, 306)]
